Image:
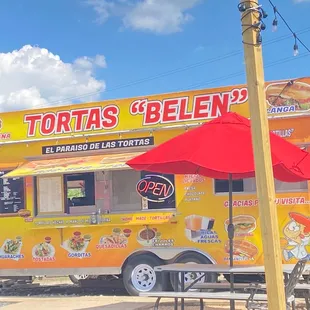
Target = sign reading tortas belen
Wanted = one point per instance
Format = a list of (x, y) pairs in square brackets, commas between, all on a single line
[(190, 107)]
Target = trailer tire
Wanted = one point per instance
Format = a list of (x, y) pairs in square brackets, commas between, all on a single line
[(75, 279), (139, 275), (195, 258), (306, 278)]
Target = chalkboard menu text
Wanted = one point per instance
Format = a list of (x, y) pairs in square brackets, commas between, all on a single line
[(11, 194)]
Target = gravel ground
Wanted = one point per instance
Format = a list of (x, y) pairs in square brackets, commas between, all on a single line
[(62, 286), (60, 293)]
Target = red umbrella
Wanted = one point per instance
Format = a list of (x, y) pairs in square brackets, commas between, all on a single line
[(222, 149)]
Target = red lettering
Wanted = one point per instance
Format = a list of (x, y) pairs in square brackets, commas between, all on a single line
[(63, 122), (93, 121), (158, 189), (32, 122), (150, 186), (220, 104), (170, 110), (79, 117), (166, 189), (143, 187), (48, 124), (183, 108), (5, 136), (201, 106), (110, 116), (152, 113)]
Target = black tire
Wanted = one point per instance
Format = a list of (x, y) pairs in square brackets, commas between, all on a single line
[(197, 258), (306, 278), (143, 265), (75, 280), (246, 278)]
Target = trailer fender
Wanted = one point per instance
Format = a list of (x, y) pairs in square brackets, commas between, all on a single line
[(167, 254)]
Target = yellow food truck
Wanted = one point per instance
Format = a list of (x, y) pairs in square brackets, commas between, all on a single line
[(69, 205)]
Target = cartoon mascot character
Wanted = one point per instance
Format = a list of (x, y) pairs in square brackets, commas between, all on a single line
[(297, 237)]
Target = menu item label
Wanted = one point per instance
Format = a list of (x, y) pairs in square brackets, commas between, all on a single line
[(200, 229), (194, 187), (11, 249), (44, 251), (153, 237), (77, 244), (117, 240), (12, 195)]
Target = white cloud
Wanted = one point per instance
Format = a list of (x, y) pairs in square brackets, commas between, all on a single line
[(157, 16), (103, 9), (34, 77), (300, 1)]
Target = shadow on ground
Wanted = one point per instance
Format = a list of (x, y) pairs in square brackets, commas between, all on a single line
[(150, 306), (62, 290)]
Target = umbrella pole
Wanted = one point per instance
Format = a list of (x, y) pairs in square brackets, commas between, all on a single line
[(231, 230)]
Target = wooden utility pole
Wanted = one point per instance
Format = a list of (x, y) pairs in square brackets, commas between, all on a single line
[(262, 155)]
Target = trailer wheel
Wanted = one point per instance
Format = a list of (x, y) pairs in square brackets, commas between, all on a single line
[(139, 275), (76, 278), (189, 277)]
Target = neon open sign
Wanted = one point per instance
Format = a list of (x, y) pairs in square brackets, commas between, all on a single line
[(155, 188)]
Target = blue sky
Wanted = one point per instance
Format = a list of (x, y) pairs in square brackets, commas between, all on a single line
[(137, 40)]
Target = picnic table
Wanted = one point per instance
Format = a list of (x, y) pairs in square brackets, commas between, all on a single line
[(180, 270)]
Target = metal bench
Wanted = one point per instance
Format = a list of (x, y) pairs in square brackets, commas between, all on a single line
[(219, 286), (301, 290), (201, 296), (289, 289), (252, 298)]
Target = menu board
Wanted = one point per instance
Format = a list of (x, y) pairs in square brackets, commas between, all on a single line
[(11, 194), (50, 194)]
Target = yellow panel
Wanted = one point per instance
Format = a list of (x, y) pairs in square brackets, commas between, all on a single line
[(72, 165)]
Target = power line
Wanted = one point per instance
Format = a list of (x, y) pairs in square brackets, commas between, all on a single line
[(240, 73), (296, 38), (171, 72)]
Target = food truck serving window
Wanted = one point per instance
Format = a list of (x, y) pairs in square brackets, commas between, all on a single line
[(130, 190), (12, 195), (114, 191), (249, 186), (80, 189)]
